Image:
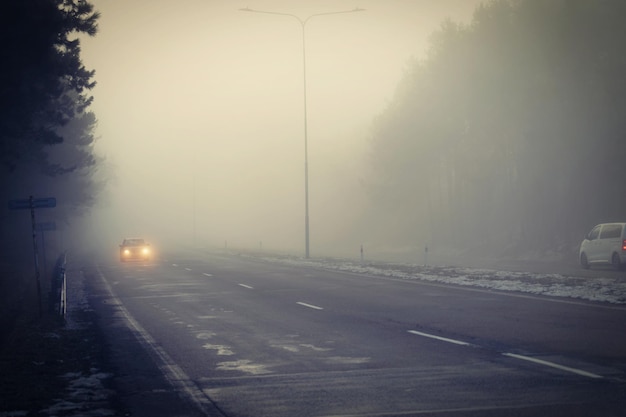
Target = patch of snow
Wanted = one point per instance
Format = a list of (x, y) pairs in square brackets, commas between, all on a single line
[(607, 289), (245, 366), (221, 349), (86, 396)]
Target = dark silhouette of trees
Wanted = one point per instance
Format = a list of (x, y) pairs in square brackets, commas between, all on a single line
[(43, 82), (510, 134), (46, 128)]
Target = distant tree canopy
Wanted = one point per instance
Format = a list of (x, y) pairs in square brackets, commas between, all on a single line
[(43, 82), (511, 133)]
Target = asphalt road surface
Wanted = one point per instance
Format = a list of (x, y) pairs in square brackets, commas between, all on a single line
[(219, 335)]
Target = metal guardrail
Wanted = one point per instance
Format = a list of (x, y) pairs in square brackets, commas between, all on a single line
[(58, 288)]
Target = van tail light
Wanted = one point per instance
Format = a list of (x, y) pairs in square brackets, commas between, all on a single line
[(624, 244)]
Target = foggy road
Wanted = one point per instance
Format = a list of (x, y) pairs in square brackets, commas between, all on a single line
[(223, 336), (454, 153)]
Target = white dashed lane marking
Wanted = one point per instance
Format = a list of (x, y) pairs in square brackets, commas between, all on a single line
[(515, 356), (443, 339), (309, 305), (458, 342), (553, 365)]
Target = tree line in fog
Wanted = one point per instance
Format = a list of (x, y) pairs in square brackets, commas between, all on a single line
[(509, 134), (47, 131)]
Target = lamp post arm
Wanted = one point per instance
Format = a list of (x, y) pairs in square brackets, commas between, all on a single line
[(247, 9), (299, 19), (356, 9), (303, 23)]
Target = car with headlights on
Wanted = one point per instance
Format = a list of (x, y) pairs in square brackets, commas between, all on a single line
[(135, 249)]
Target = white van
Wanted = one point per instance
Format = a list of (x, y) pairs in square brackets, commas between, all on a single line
[(604, 245)]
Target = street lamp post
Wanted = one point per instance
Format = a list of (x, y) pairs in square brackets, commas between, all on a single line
[(303, 23)]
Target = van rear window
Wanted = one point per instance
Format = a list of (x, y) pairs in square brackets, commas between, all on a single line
[(611, 231)]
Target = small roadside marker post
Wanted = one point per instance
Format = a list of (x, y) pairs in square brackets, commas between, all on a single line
[(43, 228), (33, 203)]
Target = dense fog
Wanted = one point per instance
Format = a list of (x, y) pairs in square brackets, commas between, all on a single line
[(200, 116), (508, 140), (468, 128)]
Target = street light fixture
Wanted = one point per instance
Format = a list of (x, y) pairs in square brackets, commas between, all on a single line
[(303, 23)]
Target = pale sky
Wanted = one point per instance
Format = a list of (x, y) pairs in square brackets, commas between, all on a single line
[(200, 110)]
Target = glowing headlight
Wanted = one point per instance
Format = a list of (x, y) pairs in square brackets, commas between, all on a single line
[(126, 252), (145, 251)]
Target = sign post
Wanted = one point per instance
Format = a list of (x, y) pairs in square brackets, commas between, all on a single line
[(33, 203), (43, 228)]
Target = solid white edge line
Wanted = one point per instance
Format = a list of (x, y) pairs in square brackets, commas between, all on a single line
[(443, 339), (309, 305), (246, 286), (554, 365), (175, 375)]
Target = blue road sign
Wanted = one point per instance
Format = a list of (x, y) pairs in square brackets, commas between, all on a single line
[(32, 203)]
